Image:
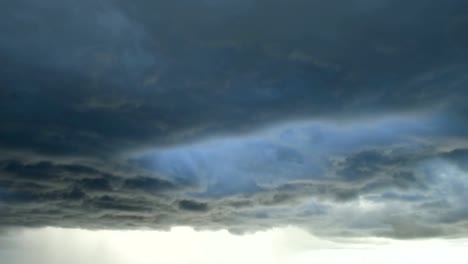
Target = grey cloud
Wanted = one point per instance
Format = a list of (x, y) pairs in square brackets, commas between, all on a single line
[(406, 229), (70, 195), (375, 166), (148, 184), (79, 189), (458, 156), (195, 206), (100, 184), (107, 109), (117, 204)]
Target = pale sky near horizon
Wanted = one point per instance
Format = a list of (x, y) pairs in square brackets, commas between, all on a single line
[(184, 245)]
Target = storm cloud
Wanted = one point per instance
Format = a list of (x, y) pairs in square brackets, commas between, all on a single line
[(347, 118)]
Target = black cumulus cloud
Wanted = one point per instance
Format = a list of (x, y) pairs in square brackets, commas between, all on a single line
[(98, 100)]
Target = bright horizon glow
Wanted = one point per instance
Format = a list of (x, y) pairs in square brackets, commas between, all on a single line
[(184, 245)]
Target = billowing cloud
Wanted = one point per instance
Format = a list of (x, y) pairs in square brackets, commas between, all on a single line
[(347, 118)]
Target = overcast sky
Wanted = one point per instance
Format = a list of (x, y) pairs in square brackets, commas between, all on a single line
[(338, 120)]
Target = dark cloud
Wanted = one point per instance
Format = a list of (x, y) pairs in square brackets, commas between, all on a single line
[(118, 114), (111, 76), (117, 204), (193, 206), (148, 184), (100, 184)]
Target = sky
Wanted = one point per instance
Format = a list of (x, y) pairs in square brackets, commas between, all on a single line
[(295, 131), (277, 246)]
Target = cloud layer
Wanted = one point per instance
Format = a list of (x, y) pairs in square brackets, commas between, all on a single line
[(345, 117)]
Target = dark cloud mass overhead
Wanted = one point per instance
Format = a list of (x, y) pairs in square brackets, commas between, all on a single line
[(347, 118)]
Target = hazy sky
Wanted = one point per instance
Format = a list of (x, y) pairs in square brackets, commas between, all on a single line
[(319, 129), (183, 245)]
